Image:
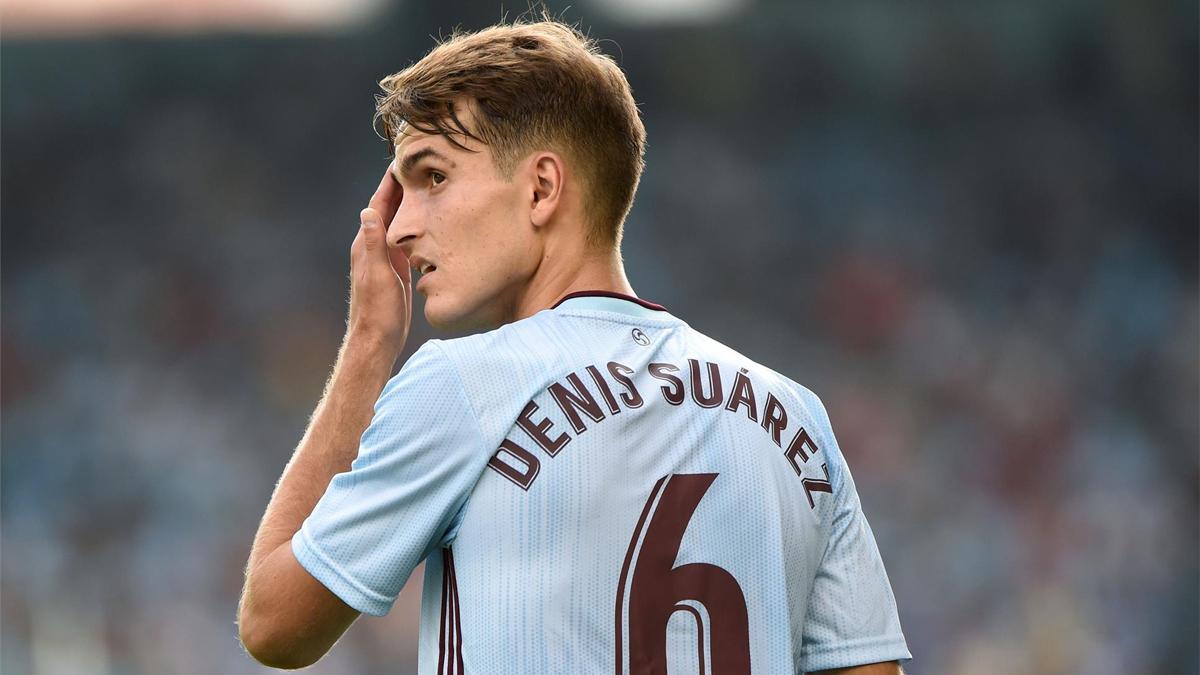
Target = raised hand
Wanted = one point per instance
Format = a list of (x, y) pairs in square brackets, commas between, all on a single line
[(380, 278)]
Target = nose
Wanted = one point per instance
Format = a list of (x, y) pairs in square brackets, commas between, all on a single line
[(405, 227)]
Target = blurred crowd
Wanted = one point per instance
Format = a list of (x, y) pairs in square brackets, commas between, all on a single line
[(970, 228)]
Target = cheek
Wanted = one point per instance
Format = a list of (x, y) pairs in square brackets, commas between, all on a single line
[(483, 242), (494, 230)]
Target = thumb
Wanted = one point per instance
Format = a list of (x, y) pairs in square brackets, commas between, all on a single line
[(374, 237)]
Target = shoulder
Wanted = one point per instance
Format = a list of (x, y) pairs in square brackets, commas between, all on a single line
[(517, 345), (497, 371), (428, 365), (801, 404), (427, 384), (778, 383), (459, 358)]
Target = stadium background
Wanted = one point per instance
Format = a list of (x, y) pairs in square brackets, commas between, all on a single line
[(970, 227)]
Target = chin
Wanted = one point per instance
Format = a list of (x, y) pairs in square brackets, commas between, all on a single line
[(445, 315)]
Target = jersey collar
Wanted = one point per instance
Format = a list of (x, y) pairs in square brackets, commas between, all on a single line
[(608, 301)]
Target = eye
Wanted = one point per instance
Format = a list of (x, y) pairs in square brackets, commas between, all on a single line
[(437, 177)]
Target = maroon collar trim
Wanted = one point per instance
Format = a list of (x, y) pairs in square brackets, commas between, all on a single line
[(610, 294)]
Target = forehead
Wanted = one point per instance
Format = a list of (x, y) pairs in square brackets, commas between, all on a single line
[(413, 146), (409, 137)]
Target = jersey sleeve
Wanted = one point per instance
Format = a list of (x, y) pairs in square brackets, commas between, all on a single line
[(851, 618), (417, 463)]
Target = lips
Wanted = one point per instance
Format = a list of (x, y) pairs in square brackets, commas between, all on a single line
[(422, 279), (421, 266)]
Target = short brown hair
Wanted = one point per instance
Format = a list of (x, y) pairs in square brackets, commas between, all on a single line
[(536, 86)]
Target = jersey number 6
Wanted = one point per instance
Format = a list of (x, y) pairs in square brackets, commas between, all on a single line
[(657, 589)]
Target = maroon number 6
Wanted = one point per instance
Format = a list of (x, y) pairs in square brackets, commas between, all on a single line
[(658, 589)]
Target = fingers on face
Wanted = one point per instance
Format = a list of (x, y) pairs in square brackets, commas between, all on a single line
[(400, 263), (387, 197)]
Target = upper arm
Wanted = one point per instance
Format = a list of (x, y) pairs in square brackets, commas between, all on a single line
[(288, 619), (851, 617), (417, 462)]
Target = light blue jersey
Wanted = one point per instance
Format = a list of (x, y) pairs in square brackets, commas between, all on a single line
[(600, 488)]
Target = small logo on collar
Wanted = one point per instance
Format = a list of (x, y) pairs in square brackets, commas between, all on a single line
[(640, 337)]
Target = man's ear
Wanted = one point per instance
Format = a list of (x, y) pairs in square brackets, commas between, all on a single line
[(547, 173)]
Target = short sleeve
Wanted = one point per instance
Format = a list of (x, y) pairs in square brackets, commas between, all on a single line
[(417, 463), (851, 618)]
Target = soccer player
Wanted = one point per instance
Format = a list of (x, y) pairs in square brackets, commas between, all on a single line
[(594, 486)]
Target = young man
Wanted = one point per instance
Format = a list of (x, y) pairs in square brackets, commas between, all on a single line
[(593, 485)]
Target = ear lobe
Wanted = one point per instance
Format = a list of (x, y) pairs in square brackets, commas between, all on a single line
[(547, 187)]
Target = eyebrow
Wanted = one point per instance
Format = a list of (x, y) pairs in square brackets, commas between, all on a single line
[(410, 160)]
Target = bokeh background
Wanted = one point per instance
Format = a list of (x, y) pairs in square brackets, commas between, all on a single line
[(971, 228)]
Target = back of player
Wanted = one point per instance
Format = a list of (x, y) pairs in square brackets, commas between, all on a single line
[(653, 500), (594, 486)]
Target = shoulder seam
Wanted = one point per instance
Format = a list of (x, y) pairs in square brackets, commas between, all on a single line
[(462, 388), (822, 417)]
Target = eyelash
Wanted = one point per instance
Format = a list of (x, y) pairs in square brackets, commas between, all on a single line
[(437, 174)]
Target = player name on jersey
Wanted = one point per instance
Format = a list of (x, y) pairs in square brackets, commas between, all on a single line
[(702, 384)]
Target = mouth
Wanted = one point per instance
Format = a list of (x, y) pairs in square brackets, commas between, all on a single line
[(424, 269)]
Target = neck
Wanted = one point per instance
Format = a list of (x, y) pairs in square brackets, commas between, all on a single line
[(560, 275)]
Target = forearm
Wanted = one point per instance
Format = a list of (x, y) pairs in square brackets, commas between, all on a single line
[(329, 445)]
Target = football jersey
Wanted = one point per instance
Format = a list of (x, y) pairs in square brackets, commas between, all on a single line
[(601, 488)]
